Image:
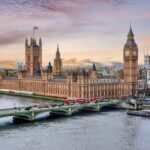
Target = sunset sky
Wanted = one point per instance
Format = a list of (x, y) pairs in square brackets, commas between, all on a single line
[(86, 30)]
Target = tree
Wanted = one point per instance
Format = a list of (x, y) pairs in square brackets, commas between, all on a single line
[(120, 73)]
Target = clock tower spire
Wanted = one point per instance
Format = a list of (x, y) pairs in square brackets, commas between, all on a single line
[(130, 55)]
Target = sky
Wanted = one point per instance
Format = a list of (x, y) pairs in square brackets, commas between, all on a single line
[(86, 30)]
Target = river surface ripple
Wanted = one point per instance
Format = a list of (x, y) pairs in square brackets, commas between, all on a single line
[(109, 130)]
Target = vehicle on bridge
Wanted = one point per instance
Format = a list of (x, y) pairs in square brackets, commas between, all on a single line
[(73, 102), (28, 108), (69, 102), (95, 100), (81, 101), (105, 100)]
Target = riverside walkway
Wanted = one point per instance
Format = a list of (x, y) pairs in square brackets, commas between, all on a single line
[(30, 113)]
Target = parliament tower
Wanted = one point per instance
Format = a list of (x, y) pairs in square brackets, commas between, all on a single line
[(33, 57), (57, 63), (130, 55)]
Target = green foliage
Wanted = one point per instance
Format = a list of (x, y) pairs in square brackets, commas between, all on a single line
[(120, 73)]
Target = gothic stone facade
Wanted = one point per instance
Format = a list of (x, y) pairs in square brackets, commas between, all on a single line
[(78, 85), (83, 87), (33, 56), (130, 64), (57, 64)]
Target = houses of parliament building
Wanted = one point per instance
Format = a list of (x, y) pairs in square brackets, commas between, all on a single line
[(53, 82)]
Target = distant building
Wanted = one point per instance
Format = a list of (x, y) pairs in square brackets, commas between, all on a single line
[(148, 78), (19, 65), (142, 85), (144, 77), (147, 59), (104, 72)]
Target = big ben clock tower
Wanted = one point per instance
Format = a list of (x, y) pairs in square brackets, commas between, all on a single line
[(130, 54)]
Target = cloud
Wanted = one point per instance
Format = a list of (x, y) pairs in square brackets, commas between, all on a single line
[(12, 37), (145, 15), (72, 62), (74, 9), (53, 16), (7, 64), (50, 8), (145, 41), (67, 62), (76, 62), (88, 62), (56, 5), (115, 62)]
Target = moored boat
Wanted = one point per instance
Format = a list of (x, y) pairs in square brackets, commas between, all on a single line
[(143, 113)]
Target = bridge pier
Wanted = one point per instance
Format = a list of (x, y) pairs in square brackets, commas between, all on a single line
[(92, 107), (61, 112), (28, 116), (23, 118), (113, 104), (33, 116)]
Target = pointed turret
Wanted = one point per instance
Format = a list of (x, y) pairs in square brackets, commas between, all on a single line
[(130, 34), (31, 41), (57, 63), (49, 68), (94, 67), (26, 42), (57, 52), (40, 41), (130, 38), (94, 72)]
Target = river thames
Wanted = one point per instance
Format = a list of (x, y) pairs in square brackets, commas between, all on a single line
[(108, 130)]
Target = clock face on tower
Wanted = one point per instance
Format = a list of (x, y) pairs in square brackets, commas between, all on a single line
[(134, 53), (127, 53)]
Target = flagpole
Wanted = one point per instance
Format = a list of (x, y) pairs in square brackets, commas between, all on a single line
[(33, 33), (35, 28)]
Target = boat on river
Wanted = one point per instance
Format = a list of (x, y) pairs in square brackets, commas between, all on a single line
[(143, 113)]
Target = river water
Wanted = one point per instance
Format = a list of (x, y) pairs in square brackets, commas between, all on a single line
[(109, 130)]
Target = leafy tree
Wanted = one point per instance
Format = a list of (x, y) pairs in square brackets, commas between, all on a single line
[(120, 73)]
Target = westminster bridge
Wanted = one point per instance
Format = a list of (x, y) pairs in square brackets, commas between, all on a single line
[(31, 112)]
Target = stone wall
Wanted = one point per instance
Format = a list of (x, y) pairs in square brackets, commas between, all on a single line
[(82, 88)]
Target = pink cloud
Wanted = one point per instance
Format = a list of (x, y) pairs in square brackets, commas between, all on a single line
[(43, 7), (144, 15), (12, 37), (145, 41)]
